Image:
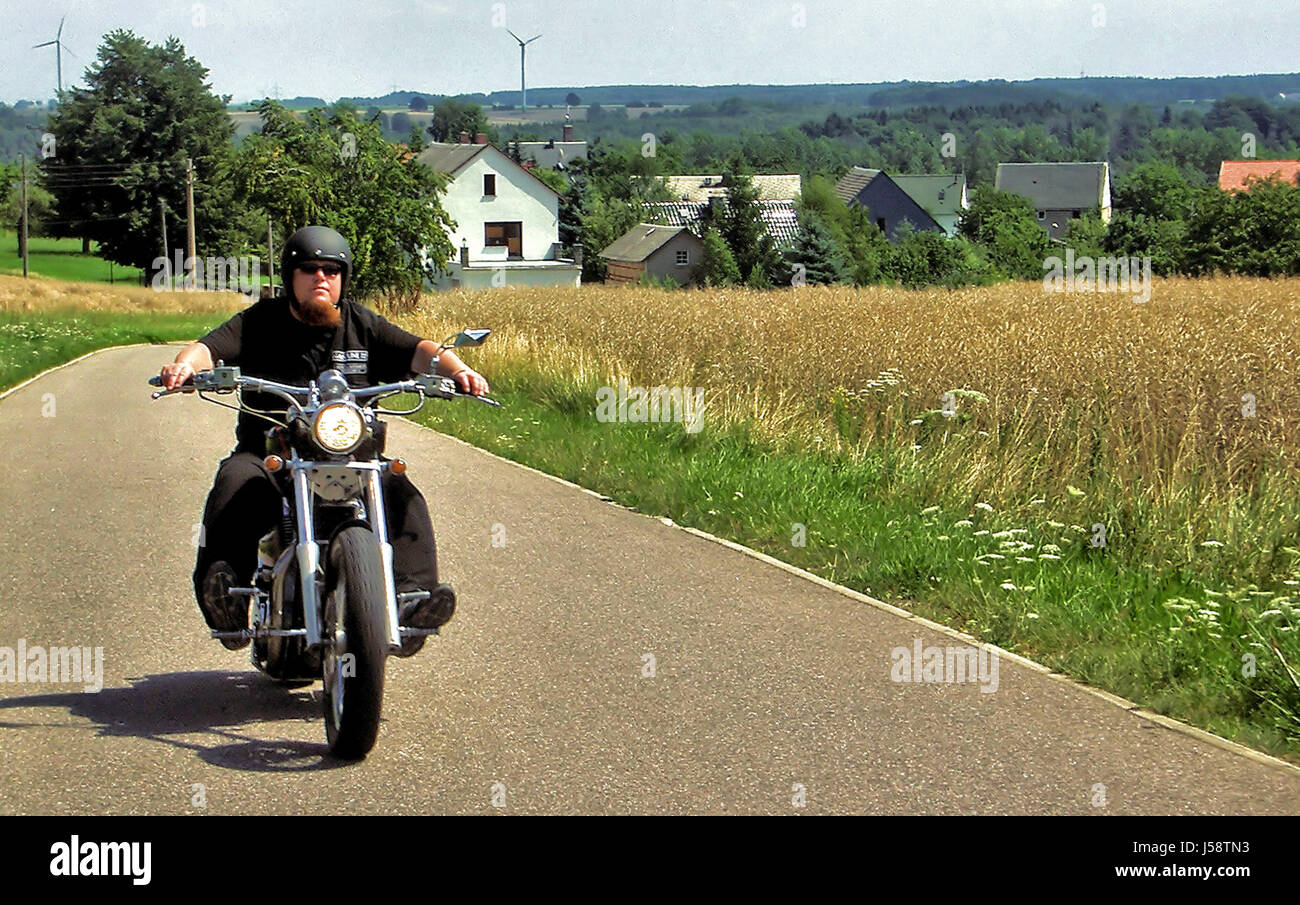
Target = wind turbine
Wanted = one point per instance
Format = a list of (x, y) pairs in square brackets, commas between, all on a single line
[(58, 52), (523, 90)]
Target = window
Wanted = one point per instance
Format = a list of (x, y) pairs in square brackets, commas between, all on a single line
[(489, 183), (683, 258), (1042, 215), (508, 235)]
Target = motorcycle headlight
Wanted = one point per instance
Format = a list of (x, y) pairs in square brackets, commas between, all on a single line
[(338, 428)]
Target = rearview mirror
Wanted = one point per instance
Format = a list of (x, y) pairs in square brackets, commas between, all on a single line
[(469, 338)]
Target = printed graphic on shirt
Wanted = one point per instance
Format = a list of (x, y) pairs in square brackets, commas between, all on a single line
[(351, 361)]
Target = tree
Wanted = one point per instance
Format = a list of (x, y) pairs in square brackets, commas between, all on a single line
[(451, 117), (745, 232), (1156, 190), (717, 266), (121, 146), (338, 171), (1005, 224), (572, 100), (817, 253), (418, 104), (1255, 232)]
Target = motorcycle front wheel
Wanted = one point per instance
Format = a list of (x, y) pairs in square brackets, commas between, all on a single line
[(356, 642)]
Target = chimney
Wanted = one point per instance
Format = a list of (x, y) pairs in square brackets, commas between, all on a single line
[(464, 137), (480, 138), (577, 253), (568, 132)]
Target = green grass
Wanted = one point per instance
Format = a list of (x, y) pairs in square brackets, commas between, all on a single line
[(31, 343), (61, 259)]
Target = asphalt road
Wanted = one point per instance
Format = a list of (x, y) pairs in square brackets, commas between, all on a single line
[(770, 693)]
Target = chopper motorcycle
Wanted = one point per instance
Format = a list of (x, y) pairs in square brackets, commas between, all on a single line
[(323, 596)]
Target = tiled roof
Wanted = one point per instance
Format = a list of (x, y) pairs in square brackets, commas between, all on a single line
[(448, 158), (854, 181), (779, 217), (702, 188), (1233, 173), (1055, 186), (936, 194), (640, 242), (443, 157)]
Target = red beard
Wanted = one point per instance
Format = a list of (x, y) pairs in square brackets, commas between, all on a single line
[(317, 313)]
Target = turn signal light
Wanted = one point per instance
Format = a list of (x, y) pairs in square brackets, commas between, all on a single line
[(273, 463), (397, 466)]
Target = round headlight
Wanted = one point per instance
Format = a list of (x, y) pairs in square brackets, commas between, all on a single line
[(338, 428)]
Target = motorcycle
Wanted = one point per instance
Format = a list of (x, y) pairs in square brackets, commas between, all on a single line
[(324, 598)]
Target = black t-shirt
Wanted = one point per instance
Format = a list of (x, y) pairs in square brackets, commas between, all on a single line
[(266, 340)]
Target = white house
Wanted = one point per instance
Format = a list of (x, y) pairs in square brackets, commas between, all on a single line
[(507, 221)]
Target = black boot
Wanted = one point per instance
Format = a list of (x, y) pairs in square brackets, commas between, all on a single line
[(432, 612)]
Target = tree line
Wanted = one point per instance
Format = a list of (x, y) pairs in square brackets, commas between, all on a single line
[(121, 147)]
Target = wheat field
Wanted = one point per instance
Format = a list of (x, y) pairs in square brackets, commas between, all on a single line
[(1201, 382)]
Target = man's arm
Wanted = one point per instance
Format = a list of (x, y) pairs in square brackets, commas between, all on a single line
[(449, 365), (189, 361)]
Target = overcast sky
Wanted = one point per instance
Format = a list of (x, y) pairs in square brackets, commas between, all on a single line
[(329, 48)]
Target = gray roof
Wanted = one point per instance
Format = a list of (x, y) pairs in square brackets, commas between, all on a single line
[(641, 241), (1055, 186), (780, 217), (938, 195), (442, 157), (448, 158), (854, 181), (548, 154)]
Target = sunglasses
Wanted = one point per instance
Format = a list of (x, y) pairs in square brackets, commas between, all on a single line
[(330, 270)]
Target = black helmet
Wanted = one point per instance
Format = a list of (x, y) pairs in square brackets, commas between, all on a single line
[(315, 243)]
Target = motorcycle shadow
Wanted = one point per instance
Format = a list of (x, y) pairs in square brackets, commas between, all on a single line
[(173, 707)]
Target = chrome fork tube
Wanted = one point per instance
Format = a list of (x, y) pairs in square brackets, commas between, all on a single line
[(379, 522), (308, 553)]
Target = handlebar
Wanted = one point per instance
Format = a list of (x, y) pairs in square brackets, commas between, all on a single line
[(226, 380)]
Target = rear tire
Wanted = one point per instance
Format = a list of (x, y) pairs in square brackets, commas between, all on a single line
[(356, 631)]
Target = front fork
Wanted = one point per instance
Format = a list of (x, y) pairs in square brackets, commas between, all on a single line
[(308, 551)]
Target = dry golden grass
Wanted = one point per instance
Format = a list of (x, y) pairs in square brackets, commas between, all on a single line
[(19, 295), (1084, 386)]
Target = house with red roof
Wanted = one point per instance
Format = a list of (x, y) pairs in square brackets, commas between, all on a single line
[(1234, 174)]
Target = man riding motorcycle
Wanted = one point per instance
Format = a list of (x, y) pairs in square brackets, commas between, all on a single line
[(292, 338)]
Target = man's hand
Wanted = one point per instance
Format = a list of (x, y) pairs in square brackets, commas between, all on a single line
[(175, 374), (193, 358), (470, 381)]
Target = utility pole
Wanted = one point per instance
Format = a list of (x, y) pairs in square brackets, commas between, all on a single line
[(24, 233), (270, 254), (166, 255), (191, 255)]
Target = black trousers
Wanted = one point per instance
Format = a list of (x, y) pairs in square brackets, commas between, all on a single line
[(245, 503)]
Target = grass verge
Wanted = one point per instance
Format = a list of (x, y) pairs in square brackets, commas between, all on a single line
[(1205, 651)]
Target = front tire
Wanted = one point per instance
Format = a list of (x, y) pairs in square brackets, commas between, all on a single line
[(356, 629)]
